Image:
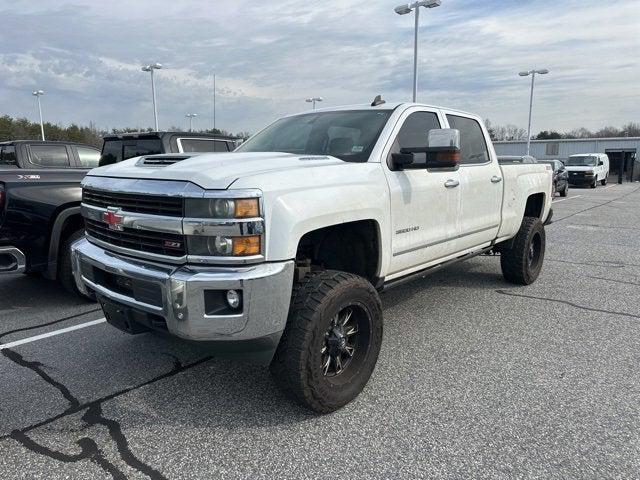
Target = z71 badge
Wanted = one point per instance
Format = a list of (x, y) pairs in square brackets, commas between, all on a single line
[(28, 177)]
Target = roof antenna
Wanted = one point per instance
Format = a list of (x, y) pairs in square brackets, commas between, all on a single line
[(377, 101)]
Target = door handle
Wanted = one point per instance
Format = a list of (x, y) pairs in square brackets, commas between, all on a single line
[(451, 183), (496, 179)]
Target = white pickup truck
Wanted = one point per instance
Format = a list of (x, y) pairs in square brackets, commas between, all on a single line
[(279, 250)]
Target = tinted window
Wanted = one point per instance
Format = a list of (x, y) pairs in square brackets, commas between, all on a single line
[(49, 155), (473, 148), (8, 155), (414, 133), (348, 135), (203, 145), (141, 147), (111, 152), (89, 157)]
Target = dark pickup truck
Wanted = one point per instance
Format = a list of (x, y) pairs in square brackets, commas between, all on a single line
[(40, 205), (40, 193)]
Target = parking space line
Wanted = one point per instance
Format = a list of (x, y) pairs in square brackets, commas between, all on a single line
[(52, 334), (563, 199), (610, 186)]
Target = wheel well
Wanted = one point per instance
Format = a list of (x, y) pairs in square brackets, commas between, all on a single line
[(534, 206), (71, 224), (351, 247)]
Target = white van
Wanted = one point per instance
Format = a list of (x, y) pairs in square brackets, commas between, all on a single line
[(588, 169)]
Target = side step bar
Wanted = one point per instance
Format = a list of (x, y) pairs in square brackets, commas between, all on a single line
[(429, 270), (12, 260)]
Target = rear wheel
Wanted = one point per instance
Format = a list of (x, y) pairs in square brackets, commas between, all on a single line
[(522, 263), (331, 343), (65, 270)]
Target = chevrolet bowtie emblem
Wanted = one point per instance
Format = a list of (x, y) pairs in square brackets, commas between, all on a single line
[(113, 219)]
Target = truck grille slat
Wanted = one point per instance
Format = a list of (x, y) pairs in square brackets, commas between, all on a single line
[(152, 204), (169, 244)]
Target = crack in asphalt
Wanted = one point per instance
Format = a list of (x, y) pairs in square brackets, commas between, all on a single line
[(597, 263), (566, 302), (627, 282), (93, 415)]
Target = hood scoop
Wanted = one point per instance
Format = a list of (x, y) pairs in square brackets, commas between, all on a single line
[(161, 160)]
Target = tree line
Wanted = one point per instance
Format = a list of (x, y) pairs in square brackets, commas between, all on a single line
[(23, 129), (513, 133)]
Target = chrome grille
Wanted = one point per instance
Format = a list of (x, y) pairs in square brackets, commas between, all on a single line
[(169, 244), (152, 204)]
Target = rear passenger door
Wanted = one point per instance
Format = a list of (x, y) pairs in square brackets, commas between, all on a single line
[(480, 184)]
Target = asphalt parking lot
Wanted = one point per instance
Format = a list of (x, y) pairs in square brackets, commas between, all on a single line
[(476, 379)]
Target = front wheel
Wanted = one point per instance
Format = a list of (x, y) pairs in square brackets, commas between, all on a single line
[(565, 190), (331, 342), (521, 264), (603, 182), (594, 184)]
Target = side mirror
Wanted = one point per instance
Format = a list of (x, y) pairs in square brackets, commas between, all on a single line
[(444, 148), (600, 163)]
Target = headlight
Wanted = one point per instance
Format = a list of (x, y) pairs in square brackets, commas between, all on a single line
[(223, 246), (589, 173), (222, 208)]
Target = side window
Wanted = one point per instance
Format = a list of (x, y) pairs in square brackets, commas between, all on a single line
[(49, 155), (220, 146), (473, 148), (414, 133), (89, 157), (8, 155), (142, 147)]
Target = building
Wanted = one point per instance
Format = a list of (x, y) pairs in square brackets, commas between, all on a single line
[(621, 151)]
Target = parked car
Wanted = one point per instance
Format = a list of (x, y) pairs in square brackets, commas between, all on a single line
[(278, 250), (40, 205), (128, 145), (588, 169), (560, 177)]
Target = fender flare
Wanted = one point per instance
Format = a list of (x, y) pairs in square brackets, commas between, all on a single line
[(54, 242)]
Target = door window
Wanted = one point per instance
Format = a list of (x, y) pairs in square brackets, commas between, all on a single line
[(473, 148), (414, 133), (88, 157), (49, 155), (8, 155)]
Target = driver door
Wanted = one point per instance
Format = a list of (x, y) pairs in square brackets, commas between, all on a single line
[(424, 203)]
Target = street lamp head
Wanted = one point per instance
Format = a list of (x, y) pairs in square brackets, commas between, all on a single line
[(37, 93), (430, 3), (146, 68), (543, 71), (153, 66), (523, 74), (157, 66), (313, 99), (402, 9)]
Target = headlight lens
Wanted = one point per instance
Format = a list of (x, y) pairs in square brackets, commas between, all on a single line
[(222, 208), (589, 173), (222, 246)]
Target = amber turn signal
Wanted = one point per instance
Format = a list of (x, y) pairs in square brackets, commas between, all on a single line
[(247, 208), (243, 246)]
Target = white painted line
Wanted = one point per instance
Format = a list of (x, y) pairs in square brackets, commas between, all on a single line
[(568, 198), (52, 334)]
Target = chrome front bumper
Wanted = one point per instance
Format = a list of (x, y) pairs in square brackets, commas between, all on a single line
[(177, 293)]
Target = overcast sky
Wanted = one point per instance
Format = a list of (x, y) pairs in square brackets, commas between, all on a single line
[(269, 56)]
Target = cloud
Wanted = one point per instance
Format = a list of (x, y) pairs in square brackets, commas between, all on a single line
[(269, 56)]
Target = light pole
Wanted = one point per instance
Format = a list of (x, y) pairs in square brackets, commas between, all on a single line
[(38, 94), (191, 116), (533, 72), (408, 8), (151, 68), (313, 100)]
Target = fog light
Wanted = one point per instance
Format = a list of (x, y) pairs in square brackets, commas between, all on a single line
[(233, 298)]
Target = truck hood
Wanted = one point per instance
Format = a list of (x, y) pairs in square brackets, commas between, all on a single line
[(578, 168), (215, 170)]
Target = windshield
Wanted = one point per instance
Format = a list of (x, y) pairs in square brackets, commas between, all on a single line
[(348, 135), (582, 161)]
